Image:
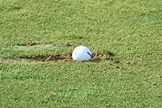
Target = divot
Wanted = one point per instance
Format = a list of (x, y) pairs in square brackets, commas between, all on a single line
[(96, 57)]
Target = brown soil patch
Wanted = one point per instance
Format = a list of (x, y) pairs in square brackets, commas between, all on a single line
[(68, 43), (28, 44), (98, 56), (101, 55), (57, 57)]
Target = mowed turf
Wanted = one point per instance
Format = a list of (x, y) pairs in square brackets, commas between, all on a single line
[(130, 29)]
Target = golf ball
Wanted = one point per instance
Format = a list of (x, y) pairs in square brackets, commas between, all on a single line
[(81, 53)]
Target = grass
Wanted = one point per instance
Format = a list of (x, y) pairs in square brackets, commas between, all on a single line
[(130, 29)]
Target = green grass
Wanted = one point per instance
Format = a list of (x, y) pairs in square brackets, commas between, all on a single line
[(131, 29)]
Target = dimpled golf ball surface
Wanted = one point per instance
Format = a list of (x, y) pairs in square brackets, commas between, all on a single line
[(81, 53)]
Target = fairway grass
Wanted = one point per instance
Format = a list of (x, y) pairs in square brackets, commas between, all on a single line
[(130, 29)]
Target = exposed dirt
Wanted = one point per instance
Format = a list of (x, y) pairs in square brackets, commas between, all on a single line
[(57, 57), (68, 43), (30, 43), (102, 55), (68, 57)]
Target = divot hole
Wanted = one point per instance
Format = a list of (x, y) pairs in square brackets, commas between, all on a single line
[(57, 57), (98, 56), (29, 44)]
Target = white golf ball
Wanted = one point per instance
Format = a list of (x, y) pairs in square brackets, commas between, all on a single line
[(81, 53)]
